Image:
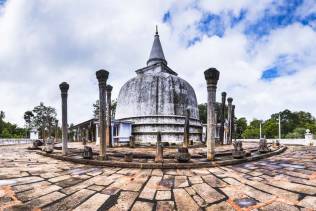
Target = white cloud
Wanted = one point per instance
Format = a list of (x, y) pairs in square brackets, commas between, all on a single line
[(46, 42)]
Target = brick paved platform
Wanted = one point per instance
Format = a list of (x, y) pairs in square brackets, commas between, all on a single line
[(283, 182)]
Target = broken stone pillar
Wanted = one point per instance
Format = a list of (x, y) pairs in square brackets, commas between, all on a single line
[(87, 153), (221, 131), (183, 155), (108, 115), (102, 76), (159, 149), (64, 94), (131, 141), (128, 157), (263, 146), (186, 134), (238, 151), (211, 77), (49, 147), (229, 118)]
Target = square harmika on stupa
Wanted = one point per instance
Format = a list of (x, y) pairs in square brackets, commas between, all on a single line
[(157, 100)]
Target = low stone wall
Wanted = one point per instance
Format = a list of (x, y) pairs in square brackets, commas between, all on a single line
[(12, 141), (163, 165), (302, 141)]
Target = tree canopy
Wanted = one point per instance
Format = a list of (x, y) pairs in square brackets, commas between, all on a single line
[(293, 124), (96, 108), (9, 130)]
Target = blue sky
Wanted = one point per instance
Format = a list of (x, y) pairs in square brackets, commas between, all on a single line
[(265, 50), (276, 15)]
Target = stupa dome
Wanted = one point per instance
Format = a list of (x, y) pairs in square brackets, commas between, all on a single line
[(157, 96), (156, 92)]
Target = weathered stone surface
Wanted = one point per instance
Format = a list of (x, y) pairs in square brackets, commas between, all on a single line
[(20, 188), (181, 182), (45, 200), (221, 206), (125, 201), (213, 181), (184, 201), (95, 187), (166, 183), (93, 203), (150, 188), (279, 206), (195, 180), (199, 201), (163, 195), (142, 206), (209, 194), (286, 195), (60, 178), (157, 172), (282, 182), (164, 205), (190, 191), (71, 201), (308, 202), (232, 181), (129, 183), (37, 192), (69, 182), (20, 181), (295, 187)]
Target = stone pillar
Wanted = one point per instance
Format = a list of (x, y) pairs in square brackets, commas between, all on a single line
[(97, 136), (186, 134), (49, 129), (221, 130), (233, 123), (211, 77), (159, 149), (102, 76), (64, 94), (108, 115), (229, 118), (91, 132), (56, 130)]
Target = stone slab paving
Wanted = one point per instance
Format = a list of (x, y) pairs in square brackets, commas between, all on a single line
[(29, 181)]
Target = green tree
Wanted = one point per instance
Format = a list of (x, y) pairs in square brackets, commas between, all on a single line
[(252, 130), (28, 117), (270, 128), (241, 126), (96, 108), (44, 117), (297, 133), (203, 112), (11, 131)]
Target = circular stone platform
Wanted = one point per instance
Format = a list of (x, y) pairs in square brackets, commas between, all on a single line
[(143, 157)]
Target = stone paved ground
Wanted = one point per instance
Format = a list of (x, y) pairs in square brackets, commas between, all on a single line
[(32, 182)]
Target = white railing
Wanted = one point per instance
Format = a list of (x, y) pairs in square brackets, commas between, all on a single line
[(12, 141), (301, 141)]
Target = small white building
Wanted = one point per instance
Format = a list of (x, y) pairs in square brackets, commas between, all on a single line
[(33, 133)]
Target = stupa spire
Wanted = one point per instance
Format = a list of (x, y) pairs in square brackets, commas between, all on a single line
[(156, 53)]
